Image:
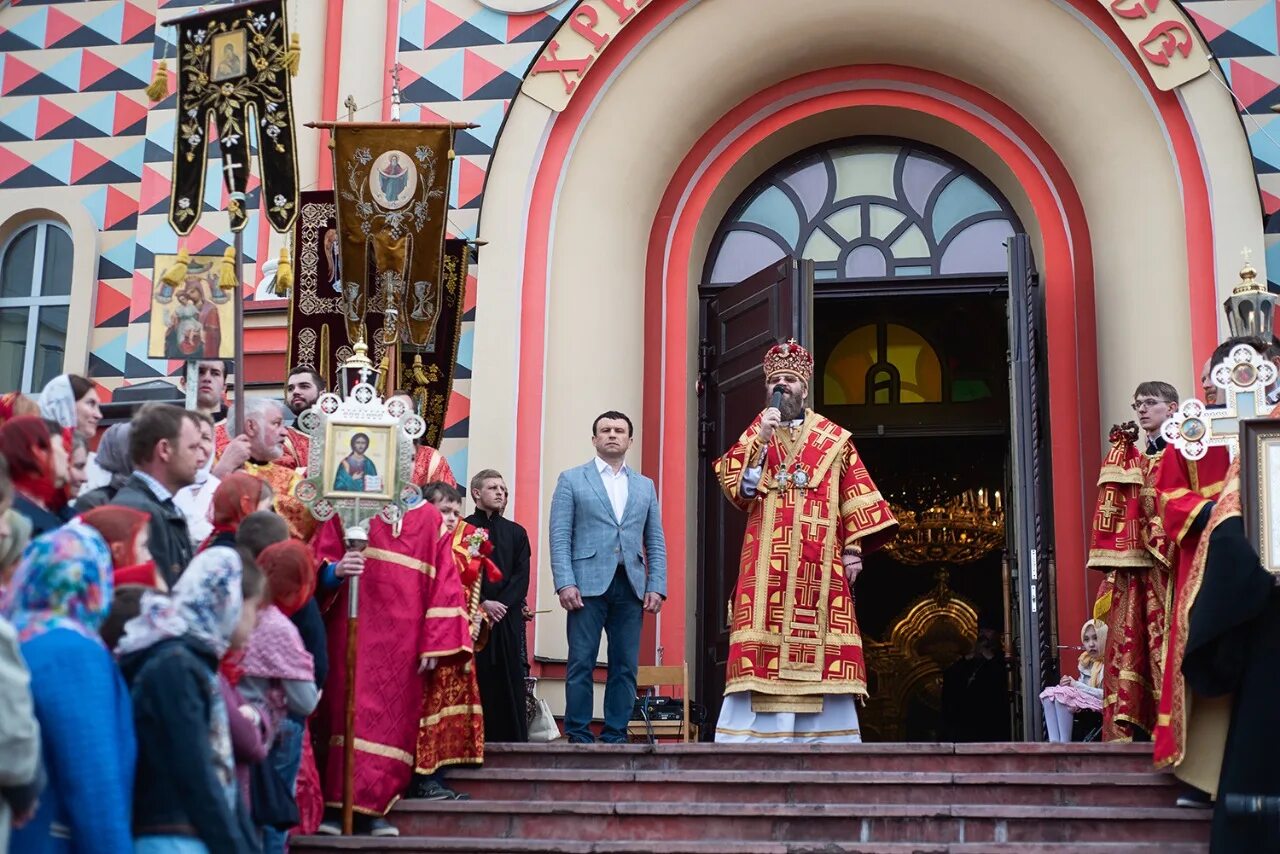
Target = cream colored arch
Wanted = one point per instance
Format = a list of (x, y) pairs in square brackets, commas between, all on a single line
[(16, 211), (1040, 57)]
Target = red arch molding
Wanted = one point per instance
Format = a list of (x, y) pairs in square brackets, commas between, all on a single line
[(1066, 268)]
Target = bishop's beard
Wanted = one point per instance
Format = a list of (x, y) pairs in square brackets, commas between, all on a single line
[(792, 408)]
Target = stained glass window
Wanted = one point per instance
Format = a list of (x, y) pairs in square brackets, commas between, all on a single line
[(882, 363), (866, 210)]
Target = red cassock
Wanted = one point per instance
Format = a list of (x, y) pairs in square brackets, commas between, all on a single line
[(452, 729), (1128, 543), (794, 633), (411, 609), (1183, 489)]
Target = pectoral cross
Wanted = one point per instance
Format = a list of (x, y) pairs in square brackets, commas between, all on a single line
[(1244, 378)]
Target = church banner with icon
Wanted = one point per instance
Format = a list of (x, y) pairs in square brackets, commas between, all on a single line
[(193, 320), (318, 320), (234, 68), (392, 187)]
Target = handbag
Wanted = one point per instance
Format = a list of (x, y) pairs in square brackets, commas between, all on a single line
[(544, 727), (271, 799)]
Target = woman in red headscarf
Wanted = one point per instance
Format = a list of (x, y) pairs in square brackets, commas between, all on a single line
[(15, 405), (238, 495), (38, 466), (128, 533)]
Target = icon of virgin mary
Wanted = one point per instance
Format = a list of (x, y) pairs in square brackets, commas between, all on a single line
[(393, 179)]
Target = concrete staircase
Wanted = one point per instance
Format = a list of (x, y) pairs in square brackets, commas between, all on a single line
[(800, 799)]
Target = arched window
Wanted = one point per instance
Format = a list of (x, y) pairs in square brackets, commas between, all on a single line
[(866, 210), (35, 299)]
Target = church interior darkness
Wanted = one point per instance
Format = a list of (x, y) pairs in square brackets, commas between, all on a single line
[(921, 381)]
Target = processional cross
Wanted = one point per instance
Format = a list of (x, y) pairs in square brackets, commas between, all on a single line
[(1244, 378)]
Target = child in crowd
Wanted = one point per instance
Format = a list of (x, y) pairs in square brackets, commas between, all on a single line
[(278, 671), (1062, 701), (452, 732), (58, 599), (186, 797)]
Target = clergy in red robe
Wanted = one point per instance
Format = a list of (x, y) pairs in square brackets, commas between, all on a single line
[(452, 729), (429, 465), (1186, 491), (1128, 543), (795, 652), (412, 618), (271, 452)]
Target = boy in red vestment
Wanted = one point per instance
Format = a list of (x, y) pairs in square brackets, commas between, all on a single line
[(413, 619), (1128, 542), (452, 729)]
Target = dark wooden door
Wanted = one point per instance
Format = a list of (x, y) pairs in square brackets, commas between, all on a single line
[(1030, 551), (738, 323)]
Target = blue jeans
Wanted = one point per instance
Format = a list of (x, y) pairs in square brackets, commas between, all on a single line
[(618, 613), (285, 757), (169, 845)]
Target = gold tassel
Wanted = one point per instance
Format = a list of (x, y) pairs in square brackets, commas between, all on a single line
[(383, 369), (159, 88), (284, 274), (293, 55), (176, 276), (227, 270)]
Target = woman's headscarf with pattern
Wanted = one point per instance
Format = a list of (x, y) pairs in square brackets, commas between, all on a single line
[(234, 499), (205, 604), (58, 401), (63, 582)]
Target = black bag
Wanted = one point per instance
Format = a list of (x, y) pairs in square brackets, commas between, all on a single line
[(272, 801)]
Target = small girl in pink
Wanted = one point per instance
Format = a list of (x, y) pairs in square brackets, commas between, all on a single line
[(1062, 701)]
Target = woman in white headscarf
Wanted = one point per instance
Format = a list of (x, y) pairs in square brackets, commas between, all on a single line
[(72, 401)]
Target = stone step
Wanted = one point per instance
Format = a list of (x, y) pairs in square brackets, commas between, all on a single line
[(968, 758), (470, 845), (1139, 789), (731, 823)]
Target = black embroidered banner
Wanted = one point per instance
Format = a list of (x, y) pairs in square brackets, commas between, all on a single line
[(233, 69), (317, 311)]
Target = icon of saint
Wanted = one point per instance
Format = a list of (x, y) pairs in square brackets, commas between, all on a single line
[(356, 467), (393, 178)]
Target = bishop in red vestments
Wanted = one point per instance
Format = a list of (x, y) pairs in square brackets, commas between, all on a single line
[(795, 652), (413, 618)]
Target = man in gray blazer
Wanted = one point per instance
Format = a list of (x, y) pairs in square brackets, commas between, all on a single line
[(609, 563)]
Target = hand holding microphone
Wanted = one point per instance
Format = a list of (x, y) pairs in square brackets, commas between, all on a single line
[(772, 416)]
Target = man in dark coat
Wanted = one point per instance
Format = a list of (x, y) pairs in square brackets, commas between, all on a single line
[(1232, 648), (164, 443), (500, 666)]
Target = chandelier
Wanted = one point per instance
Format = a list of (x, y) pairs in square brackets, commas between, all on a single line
[(960, 530)]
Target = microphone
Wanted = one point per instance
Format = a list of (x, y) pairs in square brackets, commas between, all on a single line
[(775, 400)]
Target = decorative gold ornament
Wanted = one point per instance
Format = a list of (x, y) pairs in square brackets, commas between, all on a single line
[(964, 529)]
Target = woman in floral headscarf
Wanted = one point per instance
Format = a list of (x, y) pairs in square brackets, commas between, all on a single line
[(186, 798), (38, 465), (58, 600)]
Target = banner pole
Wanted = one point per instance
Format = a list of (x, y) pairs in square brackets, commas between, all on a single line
[(238, 393)]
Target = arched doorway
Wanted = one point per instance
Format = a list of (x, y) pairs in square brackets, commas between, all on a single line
[(903, 292)]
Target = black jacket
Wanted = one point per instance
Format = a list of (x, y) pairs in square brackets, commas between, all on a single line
[(176, 791), (95, 498), (170, 540)]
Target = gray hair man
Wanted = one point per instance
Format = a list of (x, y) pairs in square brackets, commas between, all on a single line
[(261, 442)]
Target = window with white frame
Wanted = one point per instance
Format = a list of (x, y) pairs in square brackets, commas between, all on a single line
[(35, 299)]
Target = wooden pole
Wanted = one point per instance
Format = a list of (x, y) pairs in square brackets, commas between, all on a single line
[(349, 725), (238, 296)]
